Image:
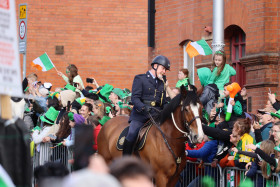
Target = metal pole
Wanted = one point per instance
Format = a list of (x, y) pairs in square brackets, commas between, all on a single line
[(24, 66), (218, 26)]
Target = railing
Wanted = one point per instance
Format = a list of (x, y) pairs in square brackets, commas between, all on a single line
[(47, 152), (195, 174)]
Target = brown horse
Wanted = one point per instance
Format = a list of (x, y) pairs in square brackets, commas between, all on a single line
[(165, 144)]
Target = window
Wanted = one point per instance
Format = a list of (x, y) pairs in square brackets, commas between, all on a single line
[(189, 64), (238, 43)]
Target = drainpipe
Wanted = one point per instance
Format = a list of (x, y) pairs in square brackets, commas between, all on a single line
[(218, 26), (151, 23)]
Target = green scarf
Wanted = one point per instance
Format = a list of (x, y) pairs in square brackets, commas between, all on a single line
[(182, 82)]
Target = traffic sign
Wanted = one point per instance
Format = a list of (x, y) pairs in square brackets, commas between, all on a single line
[(22, 27), (10, 80)]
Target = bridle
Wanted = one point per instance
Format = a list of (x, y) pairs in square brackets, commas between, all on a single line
[(185, 122)]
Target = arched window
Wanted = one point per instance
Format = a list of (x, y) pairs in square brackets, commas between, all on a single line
[(237, 40), (238, 43)]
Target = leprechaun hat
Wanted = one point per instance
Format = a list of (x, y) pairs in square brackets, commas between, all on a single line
[(104, 93), (50, 116)]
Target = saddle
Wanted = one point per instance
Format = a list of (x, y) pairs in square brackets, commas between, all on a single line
[(141, 139)]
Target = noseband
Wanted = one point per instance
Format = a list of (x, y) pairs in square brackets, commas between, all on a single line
[(186, 123)]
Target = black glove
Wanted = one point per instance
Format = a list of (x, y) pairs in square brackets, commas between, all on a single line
[(147, 108)]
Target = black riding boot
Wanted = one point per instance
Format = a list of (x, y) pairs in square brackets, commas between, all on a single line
[(127, 147)]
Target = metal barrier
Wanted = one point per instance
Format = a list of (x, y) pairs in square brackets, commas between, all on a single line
[(44, 152), (233, 176), (194, 172)]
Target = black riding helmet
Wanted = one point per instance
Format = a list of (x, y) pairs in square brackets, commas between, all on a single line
[(162, 60)]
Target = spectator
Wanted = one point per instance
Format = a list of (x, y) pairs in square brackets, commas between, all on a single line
[(72, 76), (222, 71), (50, 174), (48, 120), (74, 119), (183, 76), (132, 172), (86, 111), (266, 121)]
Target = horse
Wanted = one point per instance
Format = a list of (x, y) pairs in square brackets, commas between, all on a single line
[(164, 149)]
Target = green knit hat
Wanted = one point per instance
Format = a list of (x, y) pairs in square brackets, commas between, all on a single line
[(119, 92), (104, 93), (276, 114), (50, 116), (70, 87)]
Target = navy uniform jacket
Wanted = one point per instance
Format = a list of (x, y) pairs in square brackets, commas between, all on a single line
[(144, 91)]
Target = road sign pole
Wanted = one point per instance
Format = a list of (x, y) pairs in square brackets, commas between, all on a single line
[(23, 35), (24, 66)]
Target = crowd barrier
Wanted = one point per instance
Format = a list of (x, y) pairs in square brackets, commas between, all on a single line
[(47, 152), (195, 172)]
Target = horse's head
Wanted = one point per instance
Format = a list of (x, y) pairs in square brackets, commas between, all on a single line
[(192, 113)]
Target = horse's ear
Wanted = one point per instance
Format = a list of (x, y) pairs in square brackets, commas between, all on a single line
[(192, 88), (184, 92)]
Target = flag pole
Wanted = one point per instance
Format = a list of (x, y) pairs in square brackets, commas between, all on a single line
[(55, 68)]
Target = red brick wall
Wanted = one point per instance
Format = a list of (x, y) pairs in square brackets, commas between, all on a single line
[(178, 20), (106, 39)]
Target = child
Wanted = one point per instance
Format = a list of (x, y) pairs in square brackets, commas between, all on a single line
[(237, 111), (72, 76), (222, 72), (183, 75)]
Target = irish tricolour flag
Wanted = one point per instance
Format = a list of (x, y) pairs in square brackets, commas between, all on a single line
[(198, 48), (42, 63)]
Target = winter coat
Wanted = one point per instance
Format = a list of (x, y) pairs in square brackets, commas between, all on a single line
[(206, 153), (209, 96)]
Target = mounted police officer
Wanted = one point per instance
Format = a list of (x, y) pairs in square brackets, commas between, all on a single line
[(148, 97)]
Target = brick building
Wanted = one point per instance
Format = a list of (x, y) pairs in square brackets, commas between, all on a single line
[(108, 39), (252, 38)]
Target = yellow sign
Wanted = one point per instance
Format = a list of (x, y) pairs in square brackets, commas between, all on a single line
[(22, 12)]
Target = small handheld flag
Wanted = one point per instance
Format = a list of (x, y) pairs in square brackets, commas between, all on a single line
[(43, 63)]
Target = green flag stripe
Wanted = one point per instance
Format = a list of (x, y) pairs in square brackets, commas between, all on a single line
[(205, 46), (46, 61)]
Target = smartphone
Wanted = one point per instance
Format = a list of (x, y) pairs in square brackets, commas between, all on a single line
[(83, 147), (76, 84), (89, 80)]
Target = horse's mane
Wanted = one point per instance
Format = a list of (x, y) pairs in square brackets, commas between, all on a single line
[(187, 96)]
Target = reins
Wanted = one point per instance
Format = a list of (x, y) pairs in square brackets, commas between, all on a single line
[(186, 134)]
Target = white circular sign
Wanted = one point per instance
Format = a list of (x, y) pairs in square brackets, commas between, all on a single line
[(22, 30)]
